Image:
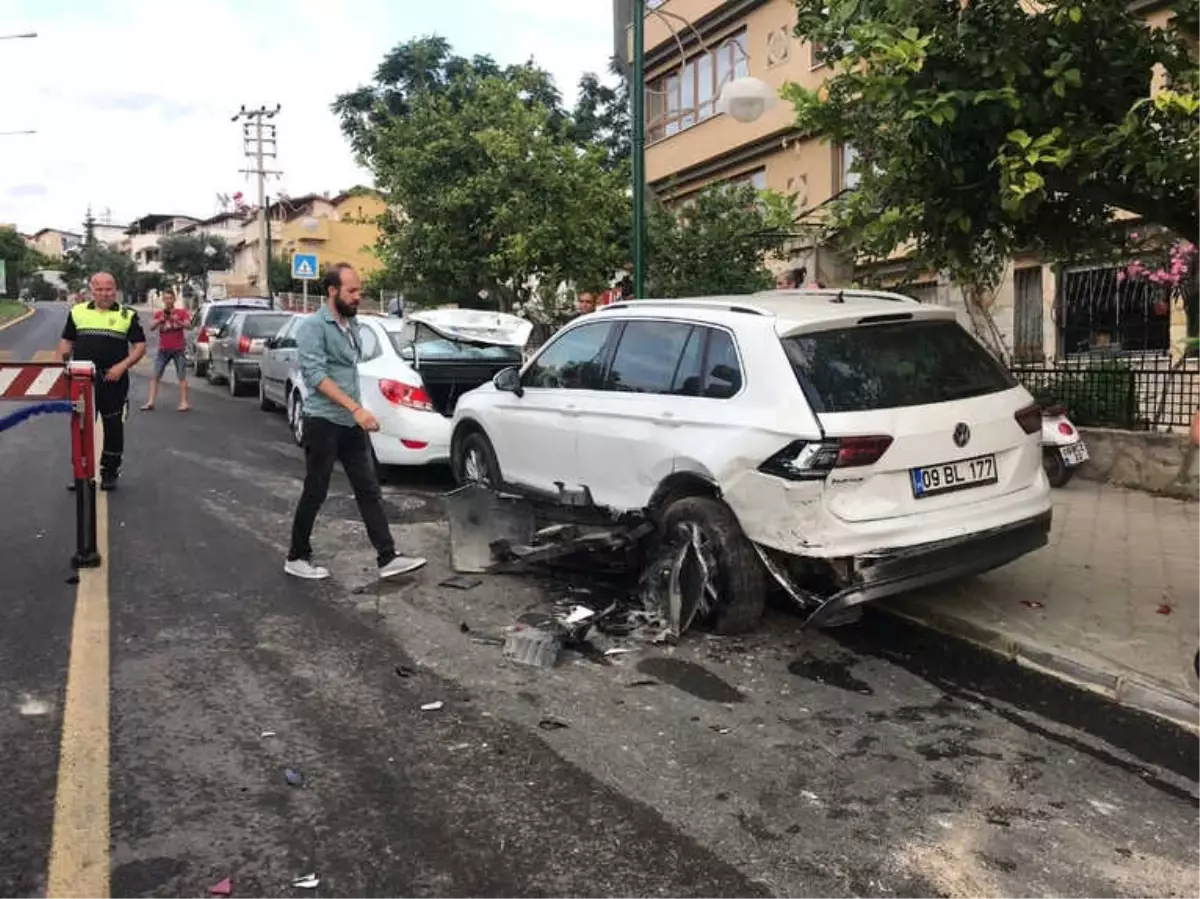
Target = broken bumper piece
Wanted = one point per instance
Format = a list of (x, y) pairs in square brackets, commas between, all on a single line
[(885, 573)]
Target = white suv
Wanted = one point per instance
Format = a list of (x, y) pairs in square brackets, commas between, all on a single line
[(850, 444)]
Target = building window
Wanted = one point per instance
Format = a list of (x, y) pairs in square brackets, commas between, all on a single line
[(687, 96), (756, 179), (1099, 312), (847, 178)]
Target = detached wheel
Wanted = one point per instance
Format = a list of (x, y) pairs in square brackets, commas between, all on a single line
[(296, 417), (739, 578), (474, 460), (1058, 473)]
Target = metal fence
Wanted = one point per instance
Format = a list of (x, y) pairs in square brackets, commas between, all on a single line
[(1136, 393)]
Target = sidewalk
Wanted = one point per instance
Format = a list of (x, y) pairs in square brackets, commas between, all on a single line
[(1119, 600)]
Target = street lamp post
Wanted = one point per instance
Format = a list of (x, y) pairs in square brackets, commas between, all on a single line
[(744, 99)]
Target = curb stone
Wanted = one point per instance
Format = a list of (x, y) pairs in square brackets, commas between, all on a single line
[(19, 318), (1152, 697)]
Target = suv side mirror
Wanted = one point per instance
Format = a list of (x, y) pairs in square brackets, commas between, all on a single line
[(509, 381)]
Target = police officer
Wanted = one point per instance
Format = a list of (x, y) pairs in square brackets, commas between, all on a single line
[(109, 335)]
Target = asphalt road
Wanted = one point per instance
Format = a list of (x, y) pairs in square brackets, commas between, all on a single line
[(876, 760)]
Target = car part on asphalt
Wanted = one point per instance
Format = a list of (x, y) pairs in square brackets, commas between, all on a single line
[(307, 882), (478, 518), (460, 582), (222, 888), (434, 706)]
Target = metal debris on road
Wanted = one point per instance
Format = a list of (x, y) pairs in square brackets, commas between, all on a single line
[(720, 729), (617, 650), (432, 706), (293, 777), (307, 882), (267, 733), (222, 888), (579, 614), (461, 582)]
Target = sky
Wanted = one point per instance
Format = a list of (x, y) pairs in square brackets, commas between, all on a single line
[(132, 100)]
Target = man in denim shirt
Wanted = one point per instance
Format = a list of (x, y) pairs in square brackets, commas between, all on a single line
[(336, 426)]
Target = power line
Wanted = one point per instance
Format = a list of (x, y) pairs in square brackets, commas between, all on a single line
[(259, 144)]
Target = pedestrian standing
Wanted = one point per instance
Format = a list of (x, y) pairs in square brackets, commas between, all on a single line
[(336, 427), (170, 323), (108, 335)]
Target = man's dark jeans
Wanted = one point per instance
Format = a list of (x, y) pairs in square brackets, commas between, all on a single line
[(324, 444)]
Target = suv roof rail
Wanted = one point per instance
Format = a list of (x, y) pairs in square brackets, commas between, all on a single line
[(747, 308), (835, 293)]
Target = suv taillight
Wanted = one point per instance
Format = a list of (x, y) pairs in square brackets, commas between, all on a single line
[(1029, 418), (805, 460), (243, 345), (202, 337)]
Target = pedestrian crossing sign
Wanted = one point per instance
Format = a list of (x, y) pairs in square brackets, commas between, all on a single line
[(304, 266)]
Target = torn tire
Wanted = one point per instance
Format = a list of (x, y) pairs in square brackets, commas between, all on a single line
[(740, 580)]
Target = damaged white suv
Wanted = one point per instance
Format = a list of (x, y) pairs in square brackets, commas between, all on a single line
[(850, 444)]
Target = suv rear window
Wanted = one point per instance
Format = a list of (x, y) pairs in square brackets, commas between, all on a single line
[(888, 366), (264, 325)]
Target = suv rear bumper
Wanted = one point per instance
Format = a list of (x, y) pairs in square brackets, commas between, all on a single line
[(877, 575)]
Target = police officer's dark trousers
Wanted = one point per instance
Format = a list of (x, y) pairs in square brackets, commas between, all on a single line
[(112, 400)]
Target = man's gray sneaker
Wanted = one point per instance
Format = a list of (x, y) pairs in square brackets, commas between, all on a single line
[(401, 565), (305, 569)]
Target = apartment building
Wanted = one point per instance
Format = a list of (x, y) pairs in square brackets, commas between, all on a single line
[(54, 243), (693, 47), (143, 236)]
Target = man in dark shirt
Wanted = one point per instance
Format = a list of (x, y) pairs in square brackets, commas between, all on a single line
[(108, 335)]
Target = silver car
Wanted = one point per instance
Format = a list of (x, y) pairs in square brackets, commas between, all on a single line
[(207, 320), (238, 347), (279, 360)]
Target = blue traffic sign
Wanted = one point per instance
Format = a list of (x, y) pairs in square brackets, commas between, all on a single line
[(304, 266)]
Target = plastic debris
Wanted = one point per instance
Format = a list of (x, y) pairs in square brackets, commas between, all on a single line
[(1032, 604), (464, 627), (643, 682), (617, 651), (293, 777), (579, 614), (267, 733), (720, 729), (307, 882), (552, 724), (532, 646), (1164, 608), (461, 582), (404, 671), (432, 706), (222, 888)]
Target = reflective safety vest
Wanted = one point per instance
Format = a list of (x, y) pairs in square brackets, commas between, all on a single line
[(112, 322)]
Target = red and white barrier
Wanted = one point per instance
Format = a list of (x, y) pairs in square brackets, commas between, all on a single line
[(32, 381)]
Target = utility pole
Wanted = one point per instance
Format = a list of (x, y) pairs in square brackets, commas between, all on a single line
[(258, 142)]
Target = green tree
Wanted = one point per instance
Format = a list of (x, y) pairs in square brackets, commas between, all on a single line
[(983, 128), (717, 243), (79, 266), (601, 116), (41, 290), (191, 257), (144, 282), (495, 191), (20, 261)]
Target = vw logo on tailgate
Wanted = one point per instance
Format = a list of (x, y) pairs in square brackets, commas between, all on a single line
[(962, 434)]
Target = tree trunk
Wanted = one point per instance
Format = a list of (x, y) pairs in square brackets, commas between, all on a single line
[(979, 299)]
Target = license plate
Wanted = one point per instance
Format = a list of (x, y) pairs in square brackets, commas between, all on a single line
[(930, 480), (1075, 454)]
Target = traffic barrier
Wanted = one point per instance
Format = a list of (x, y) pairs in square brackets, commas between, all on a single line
[(67, 389)]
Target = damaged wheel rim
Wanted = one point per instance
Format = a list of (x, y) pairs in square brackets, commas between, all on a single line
[(475, 468)]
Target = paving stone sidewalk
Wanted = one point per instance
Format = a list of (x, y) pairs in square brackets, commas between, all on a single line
[(1113, 602)]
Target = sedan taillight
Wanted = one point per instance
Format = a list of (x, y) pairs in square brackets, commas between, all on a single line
[(406, 395)]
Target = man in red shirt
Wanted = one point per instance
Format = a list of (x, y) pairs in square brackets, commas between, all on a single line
[(170, 323)]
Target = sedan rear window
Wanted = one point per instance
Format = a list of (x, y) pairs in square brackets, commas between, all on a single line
[(264, 325), (436, 348), (888, 366)]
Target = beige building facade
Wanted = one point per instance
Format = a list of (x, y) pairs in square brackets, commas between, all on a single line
[(693, 47)]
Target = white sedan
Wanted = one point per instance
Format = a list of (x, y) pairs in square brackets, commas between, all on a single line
[(413, 371)]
